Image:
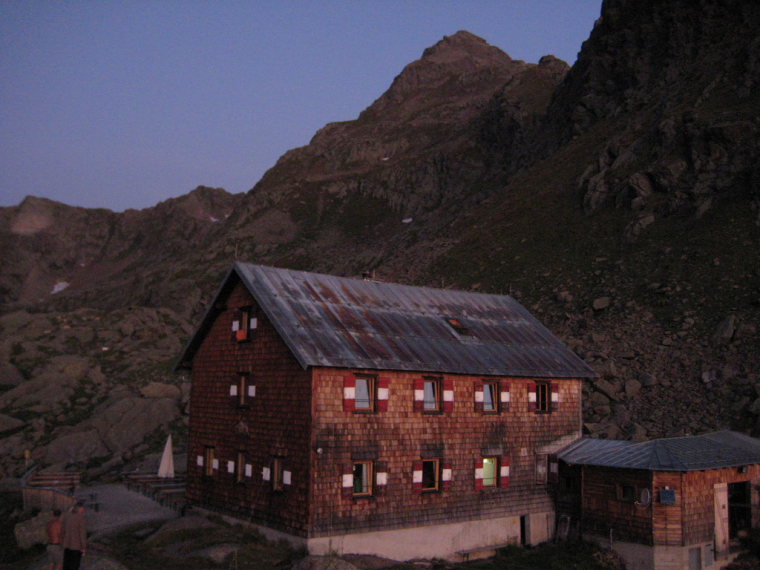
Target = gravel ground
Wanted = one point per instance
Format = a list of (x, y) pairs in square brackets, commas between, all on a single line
[(119, 507)]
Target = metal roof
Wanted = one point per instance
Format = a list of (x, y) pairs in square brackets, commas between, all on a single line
[(689, 453), (352, 323)]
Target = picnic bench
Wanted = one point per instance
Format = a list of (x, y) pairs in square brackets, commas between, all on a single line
[(167, 491), (48, 490)]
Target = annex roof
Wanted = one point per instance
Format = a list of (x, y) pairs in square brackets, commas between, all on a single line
[(353, 323), (690, 453)]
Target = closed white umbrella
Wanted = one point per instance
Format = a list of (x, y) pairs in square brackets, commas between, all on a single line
[(166, 467)]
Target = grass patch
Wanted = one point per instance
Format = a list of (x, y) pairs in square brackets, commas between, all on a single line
[(565, 556)]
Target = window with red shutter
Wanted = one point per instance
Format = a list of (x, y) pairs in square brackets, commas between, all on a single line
[(543, 397)]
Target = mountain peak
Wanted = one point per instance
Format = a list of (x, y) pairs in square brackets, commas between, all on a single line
[(463, 43)]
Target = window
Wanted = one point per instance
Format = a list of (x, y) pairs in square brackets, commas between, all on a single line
[(490, 471), (626, 493), (244, 324), (430, 475), (240, 467), (365, 394), (459, 327), (490, 397), (243, 389), (276, 474), (209, 461), (543, 397), (362, 478), (432, 395)]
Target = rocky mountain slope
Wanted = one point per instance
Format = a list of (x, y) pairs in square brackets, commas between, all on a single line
[(619, 200)]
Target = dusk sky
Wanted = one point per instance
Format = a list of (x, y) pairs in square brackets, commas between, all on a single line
[(123, 104)]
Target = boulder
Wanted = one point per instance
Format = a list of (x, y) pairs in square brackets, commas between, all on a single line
[(31, 532), (77, 447), (160, 390), (632, 388), (126, 423), (725, 330), (601, 303), (648, 380), (9, 423), (9, 375), (217, 553), (607, 388)]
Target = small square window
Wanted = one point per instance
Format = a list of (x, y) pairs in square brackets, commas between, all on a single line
[(365, 394), (362, 473), (490, 471), (432, 395), (431, 475), (626, 493)]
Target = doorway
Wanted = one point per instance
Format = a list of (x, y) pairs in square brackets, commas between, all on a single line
[(739, 508), (524, 530)]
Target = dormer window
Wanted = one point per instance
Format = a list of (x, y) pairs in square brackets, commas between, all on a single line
[(459, 327)]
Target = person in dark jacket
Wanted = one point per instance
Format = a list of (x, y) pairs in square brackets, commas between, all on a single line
[(74, 537)]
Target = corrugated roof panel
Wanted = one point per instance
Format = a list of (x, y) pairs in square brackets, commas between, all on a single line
[(336, 321), (690, 453)]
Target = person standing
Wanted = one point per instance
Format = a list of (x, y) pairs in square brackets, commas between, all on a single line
[(54, 547), (74, 535)]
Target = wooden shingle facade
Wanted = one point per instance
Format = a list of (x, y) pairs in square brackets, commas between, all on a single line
[(668, 504), (357, 416)]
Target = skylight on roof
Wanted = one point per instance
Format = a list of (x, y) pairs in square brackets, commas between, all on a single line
[(458, 326)]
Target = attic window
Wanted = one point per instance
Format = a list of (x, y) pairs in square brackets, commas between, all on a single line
[(458, 326), (243, 325)]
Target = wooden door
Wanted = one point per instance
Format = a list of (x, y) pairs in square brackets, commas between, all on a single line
[(721, 520)]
